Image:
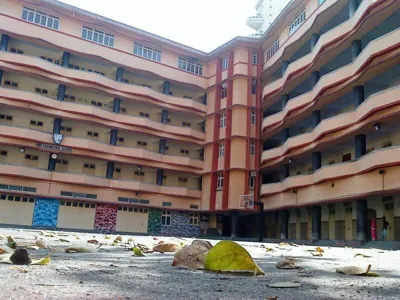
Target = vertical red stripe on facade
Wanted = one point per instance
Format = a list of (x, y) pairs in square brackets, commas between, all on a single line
[(248, 126), (215, 144), (228, 133), (258, 124)]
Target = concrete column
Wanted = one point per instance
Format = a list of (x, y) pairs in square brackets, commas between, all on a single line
[(286, 135), (359, 95), (314, 78), (164, 116), (116, 105), (356, 48), (65, 59), (314, 40), (61, 92), (284, 218), (361, 206), (113, 137), (110, 170), (316, 223), (316, 118), (52, 163), (286, 171), (285, 99), (166, 87), (4, 42), (161, 146), (353, 5), (1, 75), (120, 74), (234, 218), (285, 65), (316, 161), (160, 176), (360, 145), (57, 126)]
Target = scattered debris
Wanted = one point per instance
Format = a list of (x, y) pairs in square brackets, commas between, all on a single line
[(82, 249), (93, 241), (11, 242), (20, 257), (316, 253), (286, 284), (228, 256), (64, 241), (287, 263), (137, 252), (167, 247), (362, 255), (193, 256), (351, 270), (41, 244)]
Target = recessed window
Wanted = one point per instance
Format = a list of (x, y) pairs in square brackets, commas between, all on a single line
[(67, 129), (166, 218), (189, 66), (224, 64), (36, 123), (220, 181), (6, 117), (146, 52), (18, 51), (186, 124), (222, 120), (252, 181), (221, 150), (3, 153), (117, 170), (182, 179), (41, 91), (253, 117), (254, 58), (141, 143), (91, 133), (272, 50), (31, 157), (224, 91), (95, 103), (185, 151), (40, 18), (144, 115), (89, 166), (194, 219), (254, 86), (98, 36), (62, 162), (139, 173), (121, 139), (10, 83), (300, 19), (252, 147)]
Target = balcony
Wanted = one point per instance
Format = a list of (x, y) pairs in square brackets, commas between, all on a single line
[(255, 22)]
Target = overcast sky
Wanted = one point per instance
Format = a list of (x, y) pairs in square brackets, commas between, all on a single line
[(202, 24)]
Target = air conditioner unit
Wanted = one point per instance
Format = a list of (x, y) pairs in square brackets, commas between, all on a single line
[(253, 174)]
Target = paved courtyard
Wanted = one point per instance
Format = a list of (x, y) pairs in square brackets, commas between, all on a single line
[(114, 273)]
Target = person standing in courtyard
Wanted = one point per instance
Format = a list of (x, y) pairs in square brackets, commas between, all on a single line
[(385, 229)]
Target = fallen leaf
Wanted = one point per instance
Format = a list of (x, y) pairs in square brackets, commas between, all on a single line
[(155, 239), (286, 284), (11, 242), (115, 244), (42, 261), (287, 263), (137, 252), (269, 250), (167, 247), (228, 256), (107, 237), (363, 255), (81, 249), (119, 238), (351, 270), (192, 257), (316, 253), (283, 244), (6, 250), (93, 241), (64, 241), (319, 249)]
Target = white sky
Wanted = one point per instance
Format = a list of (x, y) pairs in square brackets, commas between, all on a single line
[(202, 24)]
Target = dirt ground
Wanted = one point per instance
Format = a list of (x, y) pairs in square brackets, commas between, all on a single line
[(114, 273)]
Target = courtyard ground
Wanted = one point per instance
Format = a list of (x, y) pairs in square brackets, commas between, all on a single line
[(114, 273)]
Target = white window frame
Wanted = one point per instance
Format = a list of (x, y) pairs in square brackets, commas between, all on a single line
[(253, 117), (190, 67), (40, 18), (272, 50), (222, 120), (252, 147), (146, 52), (220, 181), (224, 64), (254, 58), (166, 218), (98, 36), (300, 19), (221, 150), (224, 91), (194, 219)]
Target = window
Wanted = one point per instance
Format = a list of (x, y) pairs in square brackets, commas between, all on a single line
[(297, 22), (98, 36), (253, 117), (62, 162), (167, 204), (223, 121), (139, 173), (40, 18), (121, 139), (10, 83), (182, 179), (185, 151), (189, 66), (69, 97), (31, 157), (6, 117), (36, 123), (220, 181), (3, 153), (18, 51), (41, 91), (117, 170), (67, 129), (49, 59), (252, 147), (140, 143), (186, 124), (272, 50), (346, 157), (94, 134), (254, 86), (166, 218), (194, 206), (224, 91), (254, 58), (224, 64), (252, 181), (221, 150), (89, 166), (144, 115), (193, 219), (146, 52)]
